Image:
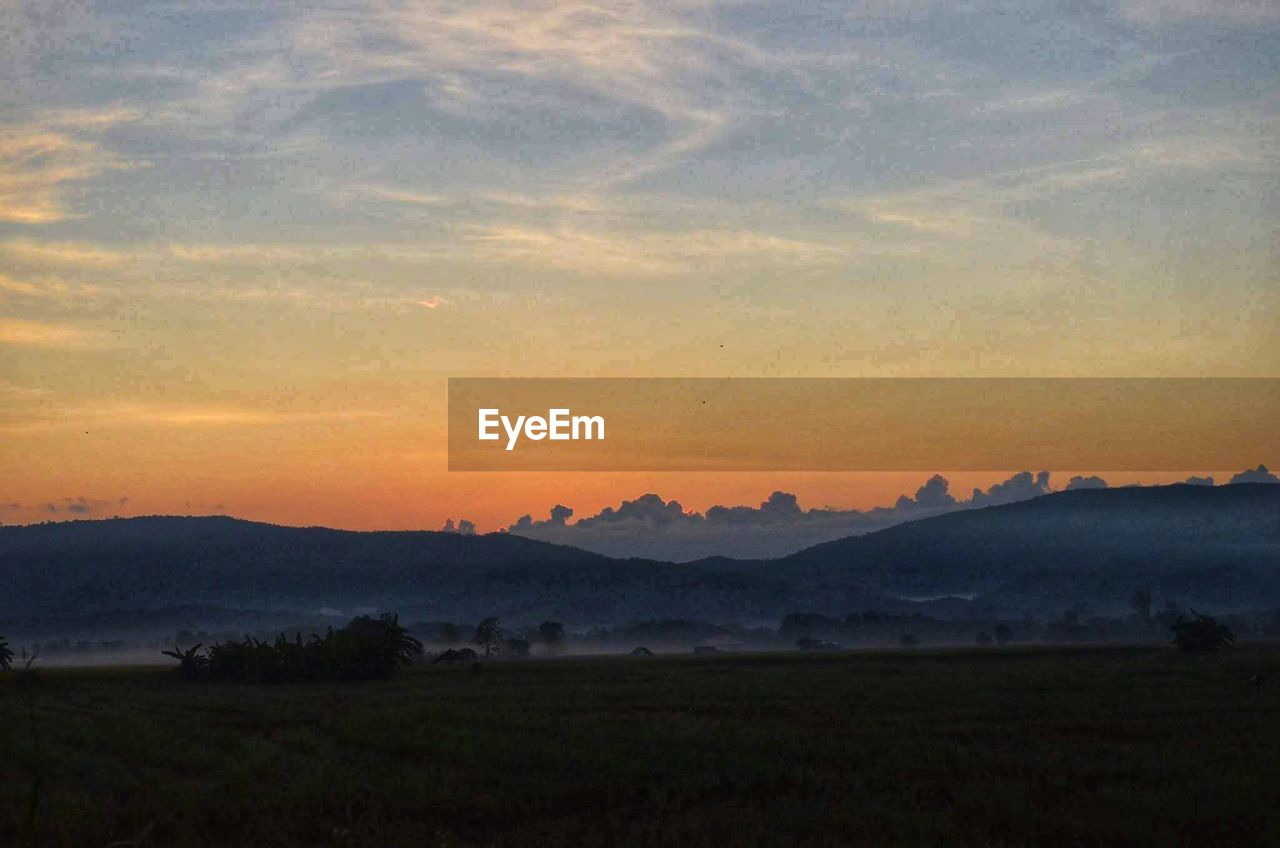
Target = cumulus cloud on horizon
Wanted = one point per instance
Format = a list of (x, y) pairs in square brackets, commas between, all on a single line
[(462, 528), (1096, 482), (652, 527), (1255, 475)]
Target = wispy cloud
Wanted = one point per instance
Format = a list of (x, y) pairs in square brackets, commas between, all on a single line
[(62, 253), (648, 55), (8, 284), (42, 158), (16, 390), (991, 207), (14, 331), (396, 195), (74, 507), (103, 256), (631, 252), (58, 417), (665, 59), (83, 506)]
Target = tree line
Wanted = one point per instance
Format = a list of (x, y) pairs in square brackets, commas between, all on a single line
[(376, 648), (365, 649)]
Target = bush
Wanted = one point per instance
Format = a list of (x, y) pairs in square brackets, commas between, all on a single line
[(1201, 634), (367, 648), (191, 663)]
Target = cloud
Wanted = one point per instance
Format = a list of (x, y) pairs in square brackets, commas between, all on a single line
[(462, 528), (659, 57), (41, 159), (484, 61), (67, 507), (985, 209), (574, 249), (15, 331), (650, 526), (78, 254), (934, 494), (395, 195), (560, 515), (352, 274), (1085, 483), (583, 203), (96, 256), (83, 416), (646, 509), (1020, 487), (82, 507), (1255, 475), (43, 286), (17, 390), (8, 284)]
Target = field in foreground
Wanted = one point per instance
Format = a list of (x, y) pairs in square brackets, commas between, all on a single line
[(993, 747)]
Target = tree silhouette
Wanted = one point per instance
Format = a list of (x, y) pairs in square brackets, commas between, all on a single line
[(366, 648), (1004, 633), (191, 662), (6, 655), (488, 635), (1201, 634), (984, 638)]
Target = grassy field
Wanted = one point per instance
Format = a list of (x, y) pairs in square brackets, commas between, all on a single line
[(993, 747)]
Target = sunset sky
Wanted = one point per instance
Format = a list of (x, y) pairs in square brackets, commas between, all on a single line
[(243, 245)]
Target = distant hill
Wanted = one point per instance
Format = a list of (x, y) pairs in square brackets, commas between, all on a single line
[(83, 567), (1216, 546)]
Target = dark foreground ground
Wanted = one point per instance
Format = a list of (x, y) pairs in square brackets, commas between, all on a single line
[(993, 747)]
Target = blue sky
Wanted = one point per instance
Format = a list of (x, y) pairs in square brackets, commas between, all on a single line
[(222, 217)]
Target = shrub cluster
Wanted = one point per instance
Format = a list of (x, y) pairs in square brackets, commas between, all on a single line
[(1201, 634), (367, 648)]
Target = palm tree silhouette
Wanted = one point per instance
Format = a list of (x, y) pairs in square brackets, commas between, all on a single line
[(191, 663)]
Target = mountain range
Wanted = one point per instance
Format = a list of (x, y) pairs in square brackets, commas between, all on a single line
[(1214, 547)]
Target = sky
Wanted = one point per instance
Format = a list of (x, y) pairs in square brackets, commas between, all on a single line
[(244, 245)]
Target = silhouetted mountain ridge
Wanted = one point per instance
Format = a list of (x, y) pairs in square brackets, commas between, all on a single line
[(1211, 545), (1221, 543), (157, 561)]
